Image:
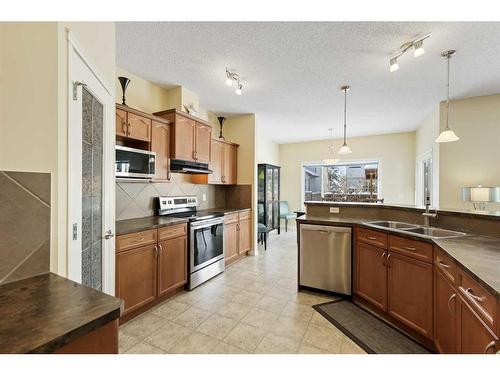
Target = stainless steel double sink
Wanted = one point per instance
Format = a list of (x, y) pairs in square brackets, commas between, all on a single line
[(413, 229)]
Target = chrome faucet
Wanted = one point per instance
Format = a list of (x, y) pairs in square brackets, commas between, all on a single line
[(428, 215)]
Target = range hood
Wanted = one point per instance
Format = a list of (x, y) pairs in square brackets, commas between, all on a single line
[(188, 167)]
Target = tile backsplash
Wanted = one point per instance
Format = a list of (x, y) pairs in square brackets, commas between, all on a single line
[(135, 199), (24, 225)]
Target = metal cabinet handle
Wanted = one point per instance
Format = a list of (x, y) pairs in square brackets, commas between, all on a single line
[(371, 238), (387, 261), (472, 295), (156, 250), (444, 265), (108, 235), (124, 127), (489, 346), (161, 247), (410, 248), (128, 129), (449, 300), (383, 255)]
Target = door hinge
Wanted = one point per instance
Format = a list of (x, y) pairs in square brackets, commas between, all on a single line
[(75, 231), (75, 88)]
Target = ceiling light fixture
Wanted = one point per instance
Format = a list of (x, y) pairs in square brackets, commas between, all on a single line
[(234, 78), (418, 50), (447, 135), (332, 160), (345, 149)]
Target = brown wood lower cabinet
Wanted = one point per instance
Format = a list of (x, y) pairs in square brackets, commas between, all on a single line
[(136, 277), (146, 273), (237, 235), (445, 314), (370, 274), (409, 292), (103, 340), (475, 336), (172, 264)]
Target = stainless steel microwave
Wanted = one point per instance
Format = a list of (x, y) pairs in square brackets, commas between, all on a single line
[(134, 163)]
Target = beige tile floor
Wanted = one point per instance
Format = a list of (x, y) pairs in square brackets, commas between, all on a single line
[(253, 307)]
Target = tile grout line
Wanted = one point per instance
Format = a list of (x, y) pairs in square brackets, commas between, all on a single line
[(24, 260), (25, 189)]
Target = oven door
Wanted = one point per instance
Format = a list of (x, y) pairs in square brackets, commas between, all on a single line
[(206, 243), (131, 162)]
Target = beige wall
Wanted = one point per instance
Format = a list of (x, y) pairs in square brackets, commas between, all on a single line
[(425, 142), (474, 159), (33, 96), (396, 153), (267, 151)]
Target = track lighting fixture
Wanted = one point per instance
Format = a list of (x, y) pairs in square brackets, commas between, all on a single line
[(418, 50), (234, 78)]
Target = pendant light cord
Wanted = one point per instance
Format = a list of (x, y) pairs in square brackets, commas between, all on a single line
[(345, 115), (447, 90)]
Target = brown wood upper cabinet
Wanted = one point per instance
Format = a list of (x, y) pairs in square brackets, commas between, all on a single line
[(223, 164), (160, 139), (190, 137), (132, 124)]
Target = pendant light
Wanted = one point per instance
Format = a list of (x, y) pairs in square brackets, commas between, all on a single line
[(447, 135), (332, 160), (345, 149)]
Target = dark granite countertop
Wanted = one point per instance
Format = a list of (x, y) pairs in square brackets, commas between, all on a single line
[(153, 222), (479, 255), (43, 313)]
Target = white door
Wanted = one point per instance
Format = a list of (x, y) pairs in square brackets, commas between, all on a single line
[(91, 212), (424, 190)]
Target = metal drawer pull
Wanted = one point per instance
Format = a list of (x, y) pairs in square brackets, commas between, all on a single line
[(449, 300), (371, 238), (472, 295), (444, 265), (489, 346), (323, 231), (410, 248), (140, 239)]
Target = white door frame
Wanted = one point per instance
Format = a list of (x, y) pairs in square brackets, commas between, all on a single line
[(419, 175), (81, 68)]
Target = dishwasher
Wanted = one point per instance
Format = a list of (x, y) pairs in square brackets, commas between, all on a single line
[(325, 258)]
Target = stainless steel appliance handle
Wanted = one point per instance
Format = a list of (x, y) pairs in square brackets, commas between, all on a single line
[(206, 223)]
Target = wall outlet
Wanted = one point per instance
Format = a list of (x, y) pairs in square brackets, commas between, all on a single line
[(334, 210), (204, 197)]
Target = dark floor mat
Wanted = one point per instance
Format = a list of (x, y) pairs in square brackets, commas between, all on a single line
[(368, 331)]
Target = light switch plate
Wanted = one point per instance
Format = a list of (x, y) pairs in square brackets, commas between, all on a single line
[(334, 210), (204, 197)]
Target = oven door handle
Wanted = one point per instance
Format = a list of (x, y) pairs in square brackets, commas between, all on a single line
[(207, 223)]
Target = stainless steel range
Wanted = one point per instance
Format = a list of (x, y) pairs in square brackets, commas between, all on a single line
[(206, 237)]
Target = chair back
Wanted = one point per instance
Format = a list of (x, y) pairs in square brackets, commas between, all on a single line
[(284, 207)]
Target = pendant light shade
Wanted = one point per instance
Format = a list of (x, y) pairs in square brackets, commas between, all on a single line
[(345, 149), (447, 135), (332, 160)]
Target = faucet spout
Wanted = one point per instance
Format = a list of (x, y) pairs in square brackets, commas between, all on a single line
[(428, 215)]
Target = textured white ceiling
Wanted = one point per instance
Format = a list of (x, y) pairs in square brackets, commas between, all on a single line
[(293, 71)]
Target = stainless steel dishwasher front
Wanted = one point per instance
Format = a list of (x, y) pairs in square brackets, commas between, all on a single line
[(325, 258)]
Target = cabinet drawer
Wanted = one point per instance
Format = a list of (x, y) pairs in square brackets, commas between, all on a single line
[(414, 249), (172, 232), (372, 237), (231, 218), (444, 263), (478, 297), (245, 215), (132, 240)]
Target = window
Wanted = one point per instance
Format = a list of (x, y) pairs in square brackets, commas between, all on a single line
[(349, 182)]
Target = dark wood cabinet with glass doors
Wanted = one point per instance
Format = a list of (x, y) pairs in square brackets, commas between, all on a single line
[(268, 177)]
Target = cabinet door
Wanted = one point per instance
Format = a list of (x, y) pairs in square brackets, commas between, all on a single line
[(136, 276), (203, 139), (244, 235), (172, 264), (139, 127), (475, 337), (370, 275), (121, 122), (160, 145), (230, 162), (216, 163), (183, 143), (230, 241), (409, 287), (445, 314)]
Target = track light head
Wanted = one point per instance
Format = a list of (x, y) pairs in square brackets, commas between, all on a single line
[(393, 65), (238, 89), (418, 48)]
